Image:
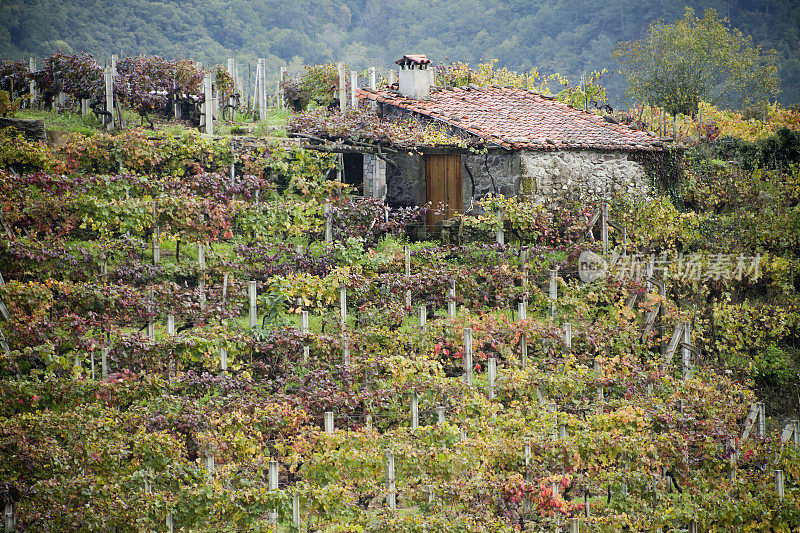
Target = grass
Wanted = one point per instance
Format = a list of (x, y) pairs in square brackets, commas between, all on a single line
[(69, 122), (273, 126)]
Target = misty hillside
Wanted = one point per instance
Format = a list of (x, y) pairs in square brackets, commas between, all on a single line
[(563, 36)]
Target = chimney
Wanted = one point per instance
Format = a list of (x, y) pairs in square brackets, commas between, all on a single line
[(415, 77)]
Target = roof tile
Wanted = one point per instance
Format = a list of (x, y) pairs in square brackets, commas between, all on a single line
[(518, 118)]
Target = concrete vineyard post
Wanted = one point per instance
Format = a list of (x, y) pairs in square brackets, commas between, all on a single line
[(231, 69), (296, 511), (108, 77), (568, 336), (414, 411), (604, 228), (168, 522), (373, 78), (391, 486), (252, 296), (499, 236), (553, 291), (685, 353), (779, 483), (329, 426), (440, 418), (468, 356), (451, 298), (223, 359), (210, 464), (171, 325), (8, 518), (104, 361), (526, 453), (342, 76), (304, 322), (306, 353), (273, 486), (261, 93), (573, 525), (353, 87), (201, 281), (156, 236), (492, 370), (208, 103), (224, 289), (281, 89), (151, 325), (328, 225), (346, 352), (32, 85), (423, 316), (522, 312), (343, 305)]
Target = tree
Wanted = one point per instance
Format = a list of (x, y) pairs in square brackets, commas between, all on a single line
[(675, 66)]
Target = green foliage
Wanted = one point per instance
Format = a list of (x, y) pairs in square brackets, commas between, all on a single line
[(676, 66)]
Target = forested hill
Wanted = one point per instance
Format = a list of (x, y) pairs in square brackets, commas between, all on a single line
[(566, 36)]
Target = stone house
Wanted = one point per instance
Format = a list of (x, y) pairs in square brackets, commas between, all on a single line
[(532, 145)]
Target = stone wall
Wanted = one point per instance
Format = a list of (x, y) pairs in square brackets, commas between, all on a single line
[(406, 184), (541, 176), (580, 175), (374, 177), (491, 173)]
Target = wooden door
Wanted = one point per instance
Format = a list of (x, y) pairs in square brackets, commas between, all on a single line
[(443, 177)]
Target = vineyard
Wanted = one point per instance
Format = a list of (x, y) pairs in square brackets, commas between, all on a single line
[(208, 339)]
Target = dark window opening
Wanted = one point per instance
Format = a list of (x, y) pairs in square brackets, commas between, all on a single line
[(354, 171)]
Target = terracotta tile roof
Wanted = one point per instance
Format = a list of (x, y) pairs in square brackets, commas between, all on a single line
[(516, 119), (417, 59)]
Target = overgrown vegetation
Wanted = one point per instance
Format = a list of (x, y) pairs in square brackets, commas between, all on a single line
[(605, 425)]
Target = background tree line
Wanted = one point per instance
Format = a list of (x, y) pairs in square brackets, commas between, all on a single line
[(552, 35)]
